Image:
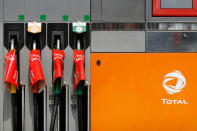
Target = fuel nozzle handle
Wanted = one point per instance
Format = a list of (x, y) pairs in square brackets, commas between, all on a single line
[(35, 88), (36, 72), (11, 81), (58, 58), (11, 71), (79, 61)]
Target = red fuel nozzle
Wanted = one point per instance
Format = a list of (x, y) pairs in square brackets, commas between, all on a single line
[(79, 58), (36, 72), (58, 58), (11, 74)]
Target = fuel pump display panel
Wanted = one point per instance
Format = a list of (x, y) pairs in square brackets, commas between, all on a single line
[(146, 91), (175, 8), (176, 4)]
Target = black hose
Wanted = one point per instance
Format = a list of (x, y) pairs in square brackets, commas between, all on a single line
[(80, 111), (35, 102), (54, 113), (62, 109), (14, 112)]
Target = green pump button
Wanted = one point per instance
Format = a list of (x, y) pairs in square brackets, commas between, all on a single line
[(65, 18), (42, 17), (86, 17), (21, 17)]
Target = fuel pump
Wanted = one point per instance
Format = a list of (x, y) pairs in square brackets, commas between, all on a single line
[(11, 80), (79, 68), (58, 58), (36, 73)]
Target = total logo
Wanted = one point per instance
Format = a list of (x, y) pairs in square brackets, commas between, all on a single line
[(179, 84)]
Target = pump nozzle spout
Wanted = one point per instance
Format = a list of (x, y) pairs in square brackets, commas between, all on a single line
[(34, 44), (78, 45), (12, 44), (58, 44)]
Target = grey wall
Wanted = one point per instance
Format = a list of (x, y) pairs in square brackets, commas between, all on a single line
[(34, 8), (56, 9), (13, 8), (53, 9), (118, 10), (78, 8)]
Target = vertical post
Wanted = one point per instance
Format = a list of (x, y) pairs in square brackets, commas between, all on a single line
[(1, 67)]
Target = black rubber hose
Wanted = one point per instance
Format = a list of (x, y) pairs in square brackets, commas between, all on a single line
[(35, 102), (14, 112), (62, 109), (54, 114), (80, 111)]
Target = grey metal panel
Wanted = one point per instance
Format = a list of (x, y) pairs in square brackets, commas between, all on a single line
[(25, 79), (118, 41), (69, 78), (176, 4), (13, 8), (7, 110), (87, 65), (7, 99), (171, 42), (56, 9), (149, 16), (78, 8), (34, 8), (96, 10), (123, 10), (1, 9), (68, 66)]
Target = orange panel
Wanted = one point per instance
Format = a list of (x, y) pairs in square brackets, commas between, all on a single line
[(144, 92)]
